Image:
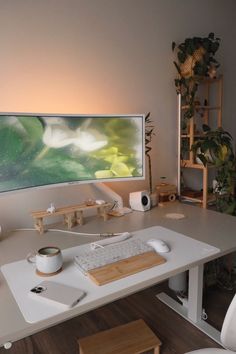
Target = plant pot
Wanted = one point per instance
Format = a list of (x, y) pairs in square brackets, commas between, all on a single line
[(187, 68), (208, 155)]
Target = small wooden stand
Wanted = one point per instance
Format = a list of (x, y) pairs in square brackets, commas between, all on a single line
[(72, 215), (134, 337)]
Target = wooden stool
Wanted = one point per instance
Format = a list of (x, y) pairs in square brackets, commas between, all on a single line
[(132, 338)]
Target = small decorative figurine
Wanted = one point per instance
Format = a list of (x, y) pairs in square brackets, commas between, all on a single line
[(51, 209)]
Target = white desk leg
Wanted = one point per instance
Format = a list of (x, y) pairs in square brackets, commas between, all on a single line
[(193, 313), (195, 289)]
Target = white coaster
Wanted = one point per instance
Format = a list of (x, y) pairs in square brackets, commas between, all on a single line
[(175, 216)]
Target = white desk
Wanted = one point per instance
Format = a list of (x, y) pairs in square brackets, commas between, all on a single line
[(210, 227)]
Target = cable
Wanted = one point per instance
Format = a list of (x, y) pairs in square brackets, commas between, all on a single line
[(114, 206), (105, 234), (73, 232)]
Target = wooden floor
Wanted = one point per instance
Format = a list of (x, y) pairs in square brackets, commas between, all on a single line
[(177, 335)]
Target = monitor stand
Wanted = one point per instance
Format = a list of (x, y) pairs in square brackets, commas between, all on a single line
[(108, 192), (114, 197)]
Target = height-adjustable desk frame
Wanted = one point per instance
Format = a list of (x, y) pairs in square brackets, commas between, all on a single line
[(203, 225), (193, 311)]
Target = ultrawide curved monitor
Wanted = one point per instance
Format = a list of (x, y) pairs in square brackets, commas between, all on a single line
[(42, 150)]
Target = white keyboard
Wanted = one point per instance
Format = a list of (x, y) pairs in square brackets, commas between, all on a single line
[(110, 254)]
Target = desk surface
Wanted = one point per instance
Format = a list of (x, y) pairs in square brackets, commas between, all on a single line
[(213, 228)]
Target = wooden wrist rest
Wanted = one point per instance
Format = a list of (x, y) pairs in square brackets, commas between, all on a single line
[(125, 267)]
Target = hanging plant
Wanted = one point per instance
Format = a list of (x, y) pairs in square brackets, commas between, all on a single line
[(196, 60)]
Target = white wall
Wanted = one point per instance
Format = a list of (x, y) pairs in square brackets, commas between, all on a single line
[(106, 56)]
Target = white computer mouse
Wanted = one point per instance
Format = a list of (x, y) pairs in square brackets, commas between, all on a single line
[(159, 246)]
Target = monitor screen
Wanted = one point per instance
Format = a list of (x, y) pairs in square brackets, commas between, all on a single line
[(43, 150)]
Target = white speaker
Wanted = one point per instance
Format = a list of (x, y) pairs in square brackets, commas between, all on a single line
[(140, 201)]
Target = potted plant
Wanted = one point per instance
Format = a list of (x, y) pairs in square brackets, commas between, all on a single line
[(195, 61), (149, 132), (216, 148)]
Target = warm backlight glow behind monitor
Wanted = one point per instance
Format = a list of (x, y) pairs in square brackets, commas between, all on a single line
[(39, 150)]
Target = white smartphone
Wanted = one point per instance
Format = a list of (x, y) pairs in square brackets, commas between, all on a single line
[(56, 294)]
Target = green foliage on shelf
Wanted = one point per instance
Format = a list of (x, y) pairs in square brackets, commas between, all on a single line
[(217, 143), (195, 60), (216, 148)]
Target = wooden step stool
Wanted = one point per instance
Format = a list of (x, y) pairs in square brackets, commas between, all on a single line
[(132, 338)]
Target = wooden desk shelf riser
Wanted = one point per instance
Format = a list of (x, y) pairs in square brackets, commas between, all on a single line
[(205, 88), (72, 215)]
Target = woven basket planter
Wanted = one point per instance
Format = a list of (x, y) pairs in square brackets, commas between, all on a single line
[(187, 68)]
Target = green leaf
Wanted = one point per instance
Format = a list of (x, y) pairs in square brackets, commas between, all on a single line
[(206, 44), (105, 153), (177, 67), (182, 57), (202, 158), (211, 35), (181, 47), (206, 128), (177, 82), (104, 174), (120, 169), (214, 47), (32, 126), (56, 167), (197, 41), (147, 118), (11, 145), (190, 48)]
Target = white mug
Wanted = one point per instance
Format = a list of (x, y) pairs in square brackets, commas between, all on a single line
[(48, 260)]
